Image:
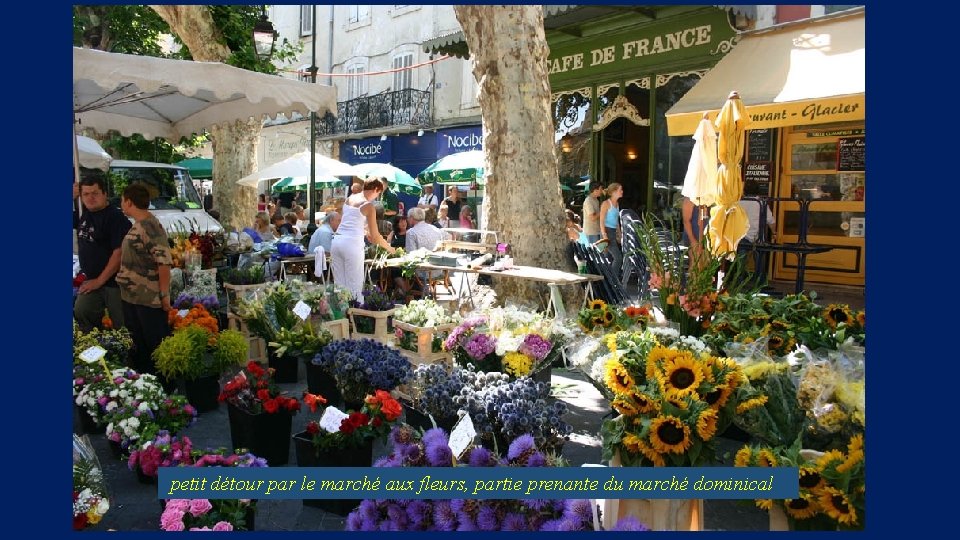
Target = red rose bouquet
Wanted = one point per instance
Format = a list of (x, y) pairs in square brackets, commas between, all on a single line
[(253, 390)]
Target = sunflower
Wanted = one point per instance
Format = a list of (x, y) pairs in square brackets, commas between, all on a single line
[(854, 454), (707, 424), (597, 321), (655, 358), (810, 479), (611, 340), (652, 455), (830, 458), (607, 316), (766, 458), (632, 443), (669, 434), (752, 404), (644, 403), (625, 406), (779, 325), (836, 505), (862, 319), (597, 304), (682, 376), (764, 504), (718, 397), (803, 508), (836, 314), (617, 378), (742, 458)]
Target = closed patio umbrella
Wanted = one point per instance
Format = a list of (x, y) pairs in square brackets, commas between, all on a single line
[(700, 182), (728, 221)]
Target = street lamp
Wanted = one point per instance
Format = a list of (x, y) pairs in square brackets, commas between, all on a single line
[(264, 36)]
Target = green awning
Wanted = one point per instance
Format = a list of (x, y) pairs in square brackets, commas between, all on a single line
[(200, 168)]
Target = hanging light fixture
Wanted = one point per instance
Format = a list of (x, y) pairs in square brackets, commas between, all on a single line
[(566, 144), (264, 36)]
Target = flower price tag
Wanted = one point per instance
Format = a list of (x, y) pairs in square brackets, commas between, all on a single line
[(332, 418), (183, 313), (93, 354), (461, 437), (302, 310)]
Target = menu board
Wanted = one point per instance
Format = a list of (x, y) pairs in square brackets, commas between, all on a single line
[(851, 154), (760, 145)]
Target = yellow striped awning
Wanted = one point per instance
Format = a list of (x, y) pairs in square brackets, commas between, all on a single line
[(801, 73)]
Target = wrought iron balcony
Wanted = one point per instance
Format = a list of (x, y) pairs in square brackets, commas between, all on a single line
[(407, 107)]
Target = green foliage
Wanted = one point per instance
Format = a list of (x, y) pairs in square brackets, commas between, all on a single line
[(181, 354), (251, 275), (232, 349), (129, 29)]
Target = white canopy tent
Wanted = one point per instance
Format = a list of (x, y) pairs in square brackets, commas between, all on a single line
[(91, 154)]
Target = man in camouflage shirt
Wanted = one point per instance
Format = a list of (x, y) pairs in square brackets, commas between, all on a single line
[(144, 277)]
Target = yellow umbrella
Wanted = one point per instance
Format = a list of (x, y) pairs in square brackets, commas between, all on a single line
[(728, 221)]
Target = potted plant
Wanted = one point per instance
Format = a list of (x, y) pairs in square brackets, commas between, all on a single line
[(373, 317), (302, 342), (197, 354), (117, 342), (102, 394), (349, 444), (421, 326), (260, 415), (328, 305), (363, 366), (164, 450), (239, 282)]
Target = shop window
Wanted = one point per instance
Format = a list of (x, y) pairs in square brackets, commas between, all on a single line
[(306, 20), (671, 155)]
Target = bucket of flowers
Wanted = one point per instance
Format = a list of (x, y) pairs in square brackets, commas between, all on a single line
[(196, 354), (360, 367), (102, 394), (141, 419), (344, 439), (432, 394), (328, 306), (420, 328), (503, 409), (518, 342), (598, 317), (116, 343), (260, 414), (164, 450), (673, 403), (433, 450), (90, 498)]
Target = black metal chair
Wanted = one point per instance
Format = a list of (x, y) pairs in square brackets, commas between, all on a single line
[(634, 263), (611, 289)]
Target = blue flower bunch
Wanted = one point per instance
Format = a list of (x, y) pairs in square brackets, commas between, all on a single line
[(376, 300), (436, 387), (186, 300), (362, 366), (503, 409), (433, 450)]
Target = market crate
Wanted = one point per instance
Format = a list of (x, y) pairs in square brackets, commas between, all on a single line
[(339, 328), (258, 347), (657, 514), (236, 292), (381, 328), (424, 353)]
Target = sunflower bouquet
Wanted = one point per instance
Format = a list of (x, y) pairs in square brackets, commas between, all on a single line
[(598, 316), (785, 323), (832, 493), (672, 400)]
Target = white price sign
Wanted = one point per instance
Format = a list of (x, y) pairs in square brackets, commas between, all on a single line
[(93, 354), (183, 313), (332, 418), (302, 310), (462, 435)]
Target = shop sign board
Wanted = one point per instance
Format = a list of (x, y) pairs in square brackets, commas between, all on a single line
[(641, 48)]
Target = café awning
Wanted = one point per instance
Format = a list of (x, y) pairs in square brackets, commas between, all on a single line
[(801, 73)]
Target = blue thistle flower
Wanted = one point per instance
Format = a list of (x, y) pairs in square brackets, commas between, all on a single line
[(629, 523)]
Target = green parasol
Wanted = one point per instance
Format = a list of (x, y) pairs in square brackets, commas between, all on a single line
[(397, 179), (460, 168)]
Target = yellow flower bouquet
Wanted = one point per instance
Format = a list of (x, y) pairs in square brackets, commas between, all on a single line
[(673, 401)]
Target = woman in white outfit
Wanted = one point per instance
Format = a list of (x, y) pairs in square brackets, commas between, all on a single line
[(346, 250)]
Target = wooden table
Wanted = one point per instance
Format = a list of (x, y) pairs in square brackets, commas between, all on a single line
[(553, 279)]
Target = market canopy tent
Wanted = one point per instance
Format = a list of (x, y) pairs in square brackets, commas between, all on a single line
[(160, 97), (397, 179), (298, 165), (459, 168), (200, 168), (808, 72), (91, 154), (300, 183)]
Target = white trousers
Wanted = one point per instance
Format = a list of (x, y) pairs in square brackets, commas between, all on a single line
[(346, 262)]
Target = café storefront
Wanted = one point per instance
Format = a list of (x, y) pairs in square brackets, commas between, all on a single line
[(803, 85), (611, 86)]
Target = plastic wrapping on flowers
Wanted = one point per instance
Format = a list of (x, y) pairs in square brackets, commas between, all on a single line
[(433, 450), (91, 500), (831, 391)]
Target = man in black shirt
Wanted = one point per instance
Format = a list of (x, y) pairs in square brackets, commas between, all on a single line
[(100, 231)]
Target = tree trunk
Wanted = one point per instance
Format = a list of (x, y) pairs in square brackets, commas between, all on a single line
[(524, 202), (234, 145)]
